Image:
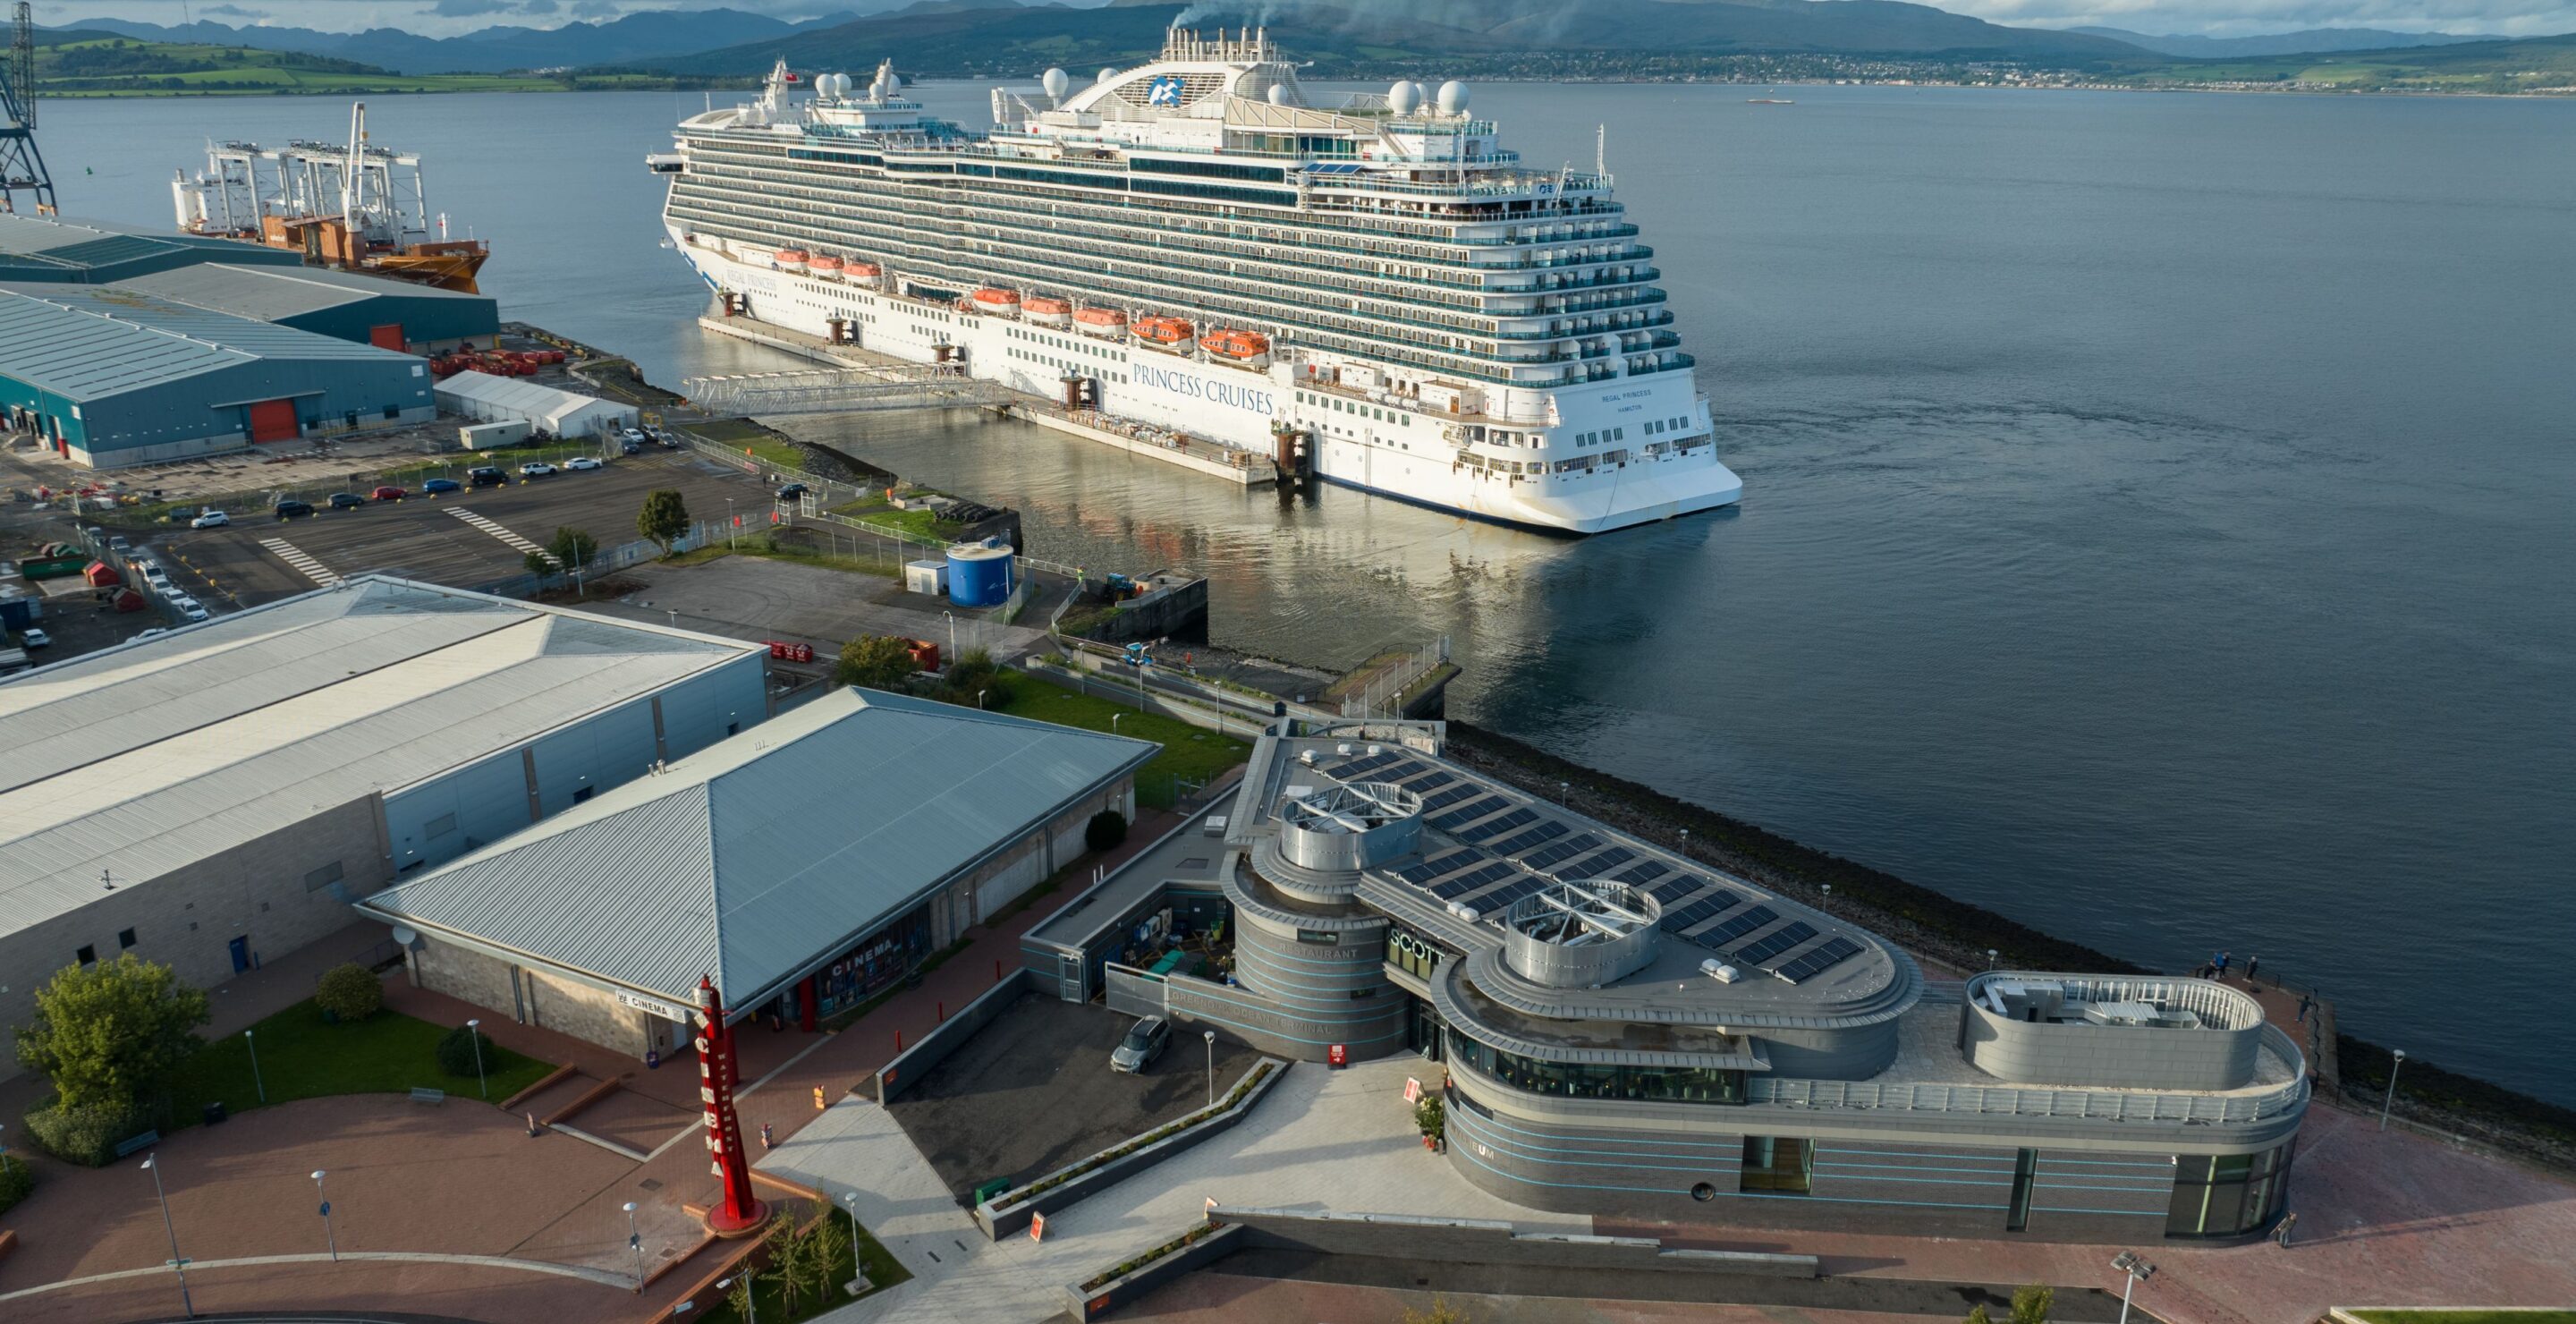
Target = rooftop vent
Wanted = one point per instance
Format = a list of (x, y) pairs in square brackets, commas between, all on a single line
[(1344, 829), (1719, 971), (1580, 934)]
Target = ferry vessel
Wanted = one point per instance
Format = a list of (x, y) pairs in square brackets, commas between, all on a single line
[(1377, 290), (353, 205)]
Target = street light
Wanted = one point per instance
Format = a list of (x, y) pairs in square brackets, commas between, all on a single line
[(255, 1081), (1210, 1036), (151, 1164), (327, 1233), (635, 1243), (850, 1201), (2138, 1271), (750, 1299), (2391, 1100), (474, 1036), (979, 699), (728, 521), (1113, 722), (952, 635)]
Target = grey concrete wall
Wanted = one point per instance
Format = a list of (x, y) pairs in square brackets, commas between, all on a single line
[(532, 996), (909, 1066), (1109, 1296), (1000, 1220), (1855, 1053), (2109, 1056), (1480, 1241), (188, 919)]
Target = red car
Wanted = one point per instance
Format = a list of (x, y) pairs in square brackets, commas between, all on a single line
[(388, 494)]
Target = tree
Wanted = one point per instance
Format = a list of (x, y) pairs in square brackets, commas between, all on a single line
[(349, 992), (877, 661), (1978, 1314), (2031, 1304), (1106, 830), (109, 1033), (573, 548), (664, 518), (458, 1048), (1441, 1312)]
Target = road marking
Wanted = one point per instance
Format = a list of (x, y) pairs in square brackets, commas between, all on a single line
[(297, 558), (496, 530)]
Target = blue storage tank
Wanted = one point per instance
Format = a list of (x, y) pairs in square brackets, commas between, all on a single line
[(979, 574)]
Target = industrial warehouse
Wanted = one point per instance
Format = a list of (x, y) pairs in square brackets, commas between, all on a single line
[(369, 310), (220, 795), (1628, 1034), (803, 866), (50, 250), (110, 377)]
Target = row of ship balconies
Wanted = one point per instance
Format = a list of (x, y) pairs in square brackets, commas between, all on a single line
[(1402, 299)]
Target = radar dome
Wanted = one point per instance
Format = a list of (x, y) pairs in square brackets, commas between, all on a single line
[(1106, 75), (1278, 94), (1453, 98), (1421, 97), (1404, 98), (1056, 83)]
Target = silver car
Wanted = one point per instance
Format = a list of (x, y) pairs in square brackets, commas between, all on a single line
[(1145, 1041)]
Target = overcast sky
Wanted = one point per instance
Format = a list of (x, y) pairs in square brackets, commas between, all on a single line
[(2215, 17)]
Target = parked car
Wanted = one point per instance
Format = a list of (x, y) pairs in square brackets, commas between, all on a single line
[(792, 491), (583, 462), (441, 485), (184, 603), (536, 469), (119, 544), (192, 613), (154, 633), (212, 519), (632, 436), (1145, 1041), (289, 508), (669, 441), (487, 476), (630, 448), (31, 637), (347, 501), (389, 493), (168, 590)]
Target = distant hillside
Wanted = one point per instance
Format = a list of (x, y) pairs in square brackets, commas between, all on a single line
[(636, 38), (77, 63), (2313, 40), (2533, 64), (994, 37)]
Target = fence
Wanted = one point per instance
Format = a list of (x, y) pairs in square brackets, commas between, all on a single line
[(1382, 695), (608, 560)]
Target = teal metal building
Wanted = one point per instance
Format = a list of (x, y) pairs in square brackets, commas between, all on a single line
[(112, 377), (52, 251), (369, 310)]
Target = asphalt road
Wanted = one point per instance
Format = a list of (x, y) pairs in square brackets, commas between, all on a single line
[(259, 559)]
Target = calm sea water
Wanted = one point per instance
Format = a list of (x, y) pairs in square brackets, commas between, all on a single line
[(2159, 520)]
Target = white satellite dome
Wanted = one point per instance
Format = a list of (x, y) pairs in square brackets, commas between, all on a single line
[(1404, 98), (1421, 97), (1453, 98), (1278, 94), (1056, 83), (1106, 75)]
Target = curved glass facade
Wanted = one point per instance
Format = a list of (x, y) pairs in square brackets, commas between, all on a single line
[(1586, 1080), (2228, 1195)]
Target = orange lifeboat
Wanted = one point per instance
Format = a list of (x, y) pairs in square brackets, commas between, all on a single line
[(1108, 323), (1236, 346), (1168, 333), (824, 265), (862, 270), (789, 259), (1048, 312), (1004, 303)]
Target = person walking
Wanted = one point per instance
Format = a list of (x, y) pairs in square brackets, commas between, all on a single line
[(2281, 1234), (2307, 1003), (2252, 963), (2219, 964)]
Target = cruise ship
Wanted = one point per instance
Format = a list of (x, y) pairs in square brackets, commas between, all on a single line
[(1378, 293)]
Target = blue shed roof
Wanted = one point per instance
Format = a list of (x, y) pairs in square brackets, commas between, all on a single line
[(87, 343), (275, 293)]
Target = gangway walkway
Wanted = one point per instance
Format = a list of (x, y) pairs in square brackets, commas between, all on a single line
[(843, 391)]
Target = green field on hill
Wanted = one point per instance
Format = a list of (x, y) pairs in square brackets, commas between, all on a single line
[(96, 65)]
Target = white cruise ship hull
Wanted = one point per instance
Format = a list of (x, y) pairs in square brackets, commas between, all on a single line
[(1380, 446)]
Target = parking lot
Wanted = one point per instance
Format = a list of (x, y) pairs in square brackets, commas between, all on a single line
[(1033, 1091), (462, 538)]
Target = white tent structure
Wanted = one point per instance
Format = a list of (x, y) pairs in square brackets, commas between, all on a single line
[(488, 399)]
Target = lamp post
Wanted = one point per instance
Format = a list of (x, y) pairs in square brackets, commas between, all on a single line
[(329, 1235), (850, 1201), (151, 1164), (1113, 722), (1210, 1036), (2391, 1101), (750, 1298), (2137, 1271), (729, 521), (256, 1082), (979, 699), (474, 1036), (952, 635), (635, 1243)]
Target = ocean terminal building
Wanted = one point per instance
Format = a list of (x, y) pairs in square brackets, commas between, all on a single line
[(1628, 1033), (1197, 245)]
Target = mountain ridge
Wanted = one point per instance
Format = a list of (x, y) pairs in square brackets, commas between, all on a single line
[(2309, 41)]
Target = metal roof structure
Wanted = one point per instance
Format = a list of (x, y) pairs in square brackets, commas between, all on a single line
[(271, 294), (87, 343), (769, 853), (564, 413), (148, 757), (56, 251)]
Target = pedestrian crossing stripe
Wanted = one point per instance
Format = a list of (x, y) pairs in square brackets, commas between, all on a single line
[(300, 561), (494, 528)]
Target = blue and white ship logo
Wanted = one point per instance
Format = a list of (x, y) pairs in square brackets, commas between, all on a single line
[(1163, 91)]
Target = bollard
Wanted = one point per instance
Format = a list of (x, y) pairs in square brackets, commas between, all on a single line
[(818, 1098), (997, 971), (943, 1013), (898, 1041)]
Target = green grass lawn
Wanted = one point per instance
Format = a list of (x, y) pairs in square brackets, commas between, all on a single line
[(771, 1308), (2468, 1316), (303, 1057), (763, 445), (1188, 752)]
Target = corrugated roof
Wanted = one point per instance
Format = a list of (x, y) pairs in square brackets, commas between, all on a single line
[(89, 342), (269, 293), (146, 758), (52, 235), (751, 860)]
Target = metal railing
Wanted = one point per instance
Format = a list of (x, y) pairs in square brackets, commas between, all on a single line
[(1383, 694), (2085, 1105), (843, 391)]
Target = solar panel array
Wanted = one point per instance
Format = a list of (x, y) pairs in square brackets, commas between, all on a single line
[(1488, 829), (1450, 889), (1706, 906), (1772, 944), (1597, 864), (1530, 838), (1467, 813), (1823, 957), (1367, 766), (1736, 927), (1448, 861), (1561, 851), (1439, 800)]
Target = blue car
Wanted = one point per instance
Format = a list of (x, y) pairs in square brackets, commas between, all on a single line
[(442, 485)]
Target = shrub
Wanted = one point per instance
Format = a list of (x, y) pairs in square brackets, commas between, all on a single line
[(109, 1034), (16, 1180), (86, 1134), (349, 992), (1106, 831), (457, 1049), (877, 662)]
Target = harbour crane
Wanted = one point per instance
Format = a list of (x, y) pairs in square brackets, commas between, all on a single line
[(22, 167)]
